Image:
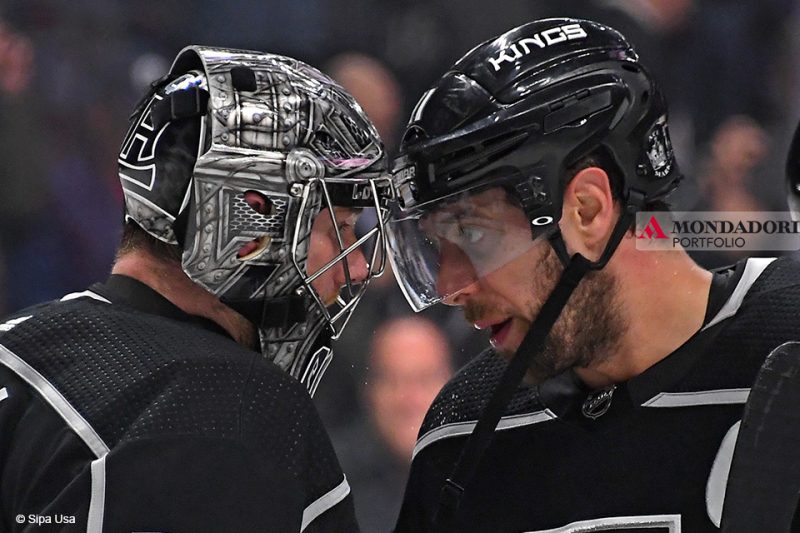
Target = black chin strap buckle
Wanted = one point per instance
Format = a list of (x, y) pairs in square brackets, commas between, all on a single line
[(635, 202), (192, 102)]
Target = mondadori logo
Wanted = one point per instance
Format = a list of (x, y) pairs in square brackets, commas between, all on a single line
[(717, 230)]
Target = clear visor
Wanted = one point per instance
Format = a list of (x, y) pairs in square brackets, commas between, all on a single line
[(439, 252)]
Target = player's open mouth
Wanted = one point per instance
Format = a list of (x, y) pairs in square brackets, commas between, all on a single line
[(500, 332), (254, 248)]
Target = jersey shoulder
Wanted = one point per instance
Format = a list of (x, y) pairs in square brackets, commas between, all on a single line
[(464, 397), (134, 374), (760, 315)]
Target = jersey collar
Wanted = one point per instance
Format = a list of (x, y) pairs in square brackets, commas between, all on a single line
[(124, 290), (564, 393)]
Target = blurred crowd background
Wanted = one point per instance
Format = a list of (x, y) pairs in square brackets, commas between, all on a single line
[(70, 72)]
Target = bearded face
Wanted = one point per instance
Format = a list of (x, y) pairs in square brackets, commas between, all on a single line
[(507, 296)]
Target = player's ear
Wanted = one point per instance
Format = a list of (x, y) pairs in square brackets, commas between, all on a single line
[(589, 213)]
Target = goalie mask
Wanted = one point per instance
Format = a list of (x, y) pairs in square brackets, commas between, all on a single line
[(241, 159)]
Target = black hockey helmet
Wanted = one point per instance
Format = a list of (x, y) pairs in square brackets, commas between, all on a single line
[(793, 175), (517, 111)]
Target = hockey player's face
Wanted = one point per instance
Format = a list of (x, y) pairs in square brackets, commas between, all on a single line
[(507, 299), (324, 247)]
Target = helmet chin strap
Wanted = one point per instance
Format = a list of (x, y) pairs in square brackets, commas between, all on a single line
[(575, 268)]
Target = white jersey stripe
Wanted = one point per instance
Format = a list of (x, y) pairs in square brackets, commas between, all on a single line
[(52, 396), (698, 398), (325, 502), (672, 522), (753, 269), (465, 428), (718, 479), (97, 504), (11, 324), (84, 294)]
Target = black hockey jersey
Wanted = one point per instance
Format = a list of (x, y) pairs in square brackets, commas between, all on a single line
[(656, 461), (120, 413)]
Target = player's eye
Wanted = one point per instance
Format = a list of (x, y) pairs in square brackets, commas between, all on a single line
[(472, 234)]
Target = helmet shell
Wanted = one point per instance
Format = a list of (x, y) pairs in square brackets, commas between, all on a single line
[(522, 108)]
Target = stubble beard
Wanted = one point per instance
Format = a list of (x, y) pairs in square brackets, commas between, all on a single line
[(587, 332), (590, 327)]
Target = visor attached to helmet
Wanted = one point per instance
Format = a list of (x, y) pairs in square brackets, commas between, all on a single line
[(441, 248)]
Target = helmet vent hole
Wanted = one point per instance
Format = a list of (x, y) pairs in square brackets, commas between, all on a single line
[(246, 221), (645, 97), (467, 160), (258, 202)]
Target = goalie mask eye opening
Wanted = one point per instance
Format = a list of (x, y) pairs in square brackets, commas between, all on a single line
[(335, 261)]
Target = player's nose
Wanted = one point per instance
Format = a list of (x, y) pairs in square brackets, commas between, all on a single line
[(457, 276), (357, 267)]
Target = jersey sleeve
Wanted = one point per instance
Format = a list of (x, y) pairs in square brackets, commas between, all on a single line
[(279, 415), (198, 484), (422, 494), (193, 484)]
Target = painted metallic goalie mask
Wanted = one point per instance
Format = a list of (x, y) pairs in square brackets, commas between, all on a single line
[(256, 166)]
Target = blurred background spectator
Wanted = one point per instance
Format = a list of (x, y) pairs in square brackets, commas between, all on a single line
[(71, 71), (409, 361), (729, 179), (373, 86)]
